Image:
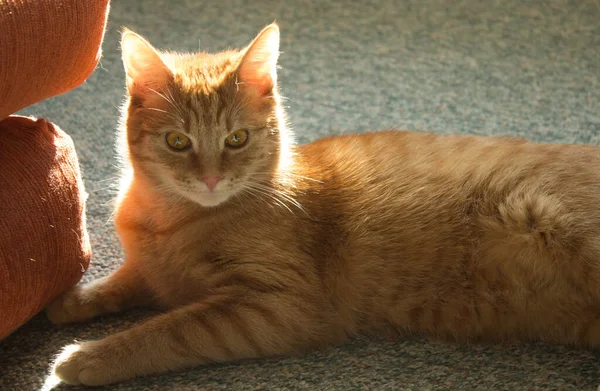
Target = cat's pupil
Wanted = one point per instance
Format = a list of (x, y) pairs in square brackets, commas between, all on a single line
[(235, 138), (178, 141)]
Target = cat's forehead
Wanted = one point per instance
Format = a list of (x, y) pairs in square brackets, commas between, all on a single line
[(206, 93), (203, 72)]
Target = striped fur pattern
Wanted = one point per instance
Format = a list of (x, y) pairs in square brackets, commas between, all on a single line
[(455, 237)]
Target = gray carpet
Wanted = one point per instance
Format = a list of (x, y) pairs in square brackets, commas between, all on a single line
[(512, 67)]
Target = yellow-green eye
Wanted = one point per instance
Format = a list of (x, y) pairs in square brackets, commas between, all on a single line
[(237, 139), (178, 141)]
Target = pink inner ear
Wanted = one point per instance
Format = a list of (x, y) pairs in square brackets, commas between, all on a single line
[(257, 76), (152, 95), (258, 67), (149, 85)]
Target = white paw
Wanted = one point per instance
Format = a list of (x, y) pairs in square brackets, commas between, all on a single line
[(83, 364)]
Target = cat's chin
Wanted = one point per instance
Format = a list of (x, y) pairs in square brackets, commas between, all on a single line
[(209, 200)]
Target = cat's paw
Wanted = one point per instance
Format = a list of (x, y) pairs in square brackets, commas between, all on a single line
[(83, 364), (70, 307)]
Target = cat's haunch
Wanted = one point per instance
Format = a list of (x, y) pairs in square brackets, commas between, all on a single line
[(254, 246)]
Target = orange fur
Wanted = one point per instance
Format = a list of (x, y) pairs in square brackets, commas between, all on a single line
[(456, 237)]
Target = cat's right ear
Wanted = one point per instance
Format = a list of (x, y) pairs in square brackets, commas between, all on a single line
[(146, 72)]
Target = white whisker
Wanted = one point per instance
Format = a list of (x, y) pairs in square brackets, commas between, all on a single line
[(285, 196), (291, 174), (159, 110), (257, 194), (271, 196), (171, 101), (162, 96), (277, 195)]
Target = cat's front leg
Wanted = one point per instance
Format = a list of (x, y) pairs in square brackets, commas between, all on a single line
[(222, 329), (121, 290)]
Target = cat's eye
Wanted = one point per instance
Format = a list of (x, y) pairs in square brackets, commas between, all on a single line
[(178, 141), (237, 139)]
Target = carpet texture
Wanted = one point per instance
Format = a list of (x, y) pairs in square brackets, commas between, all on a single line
[(499, 67)]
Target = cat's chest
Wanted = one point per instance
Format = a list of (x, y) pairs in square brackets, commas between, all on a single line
[(174, 265), (187, 265)]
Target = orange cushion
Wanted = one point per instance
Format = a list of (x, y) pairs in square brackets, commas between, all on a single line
[(44, 245), (47, 47)]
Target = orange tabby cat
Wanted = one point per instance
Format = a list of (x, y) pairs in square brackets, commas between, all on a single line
[(254, 246)]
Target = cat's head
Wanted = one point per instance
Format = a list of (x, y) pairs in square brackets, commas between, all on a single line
[(205, 126)]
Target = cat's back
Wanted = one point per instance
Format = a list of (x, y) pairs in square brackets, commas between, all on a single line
[(423, 178), (436, 225), (397, 157)]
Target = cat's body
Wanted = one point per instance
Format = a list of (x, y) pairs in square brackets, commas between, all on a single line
[(462, 238)]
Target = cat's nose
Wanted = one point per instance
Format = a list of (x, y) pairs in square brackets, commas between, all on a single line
[(211, 181)]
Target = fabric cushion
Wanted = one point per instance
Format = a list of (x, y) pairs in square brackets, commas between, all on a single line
[(44, 245), (47, 47)]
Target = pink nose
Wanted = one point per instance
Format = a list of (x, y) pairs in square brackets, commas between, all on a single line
[(211, 181)]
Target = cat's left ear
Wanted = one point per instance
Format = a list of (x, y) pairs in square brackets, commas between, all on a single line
[(258, 68)]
